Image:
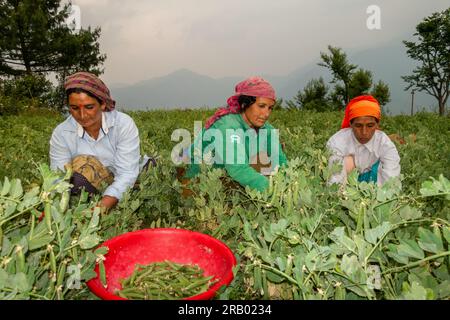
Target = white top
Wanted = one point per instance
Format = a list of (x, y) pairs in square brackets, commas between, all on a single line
[(380, 147), (117, 148)]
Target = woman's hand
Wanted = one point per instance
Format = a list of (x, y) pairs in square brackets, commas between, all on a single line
[(108, 202)]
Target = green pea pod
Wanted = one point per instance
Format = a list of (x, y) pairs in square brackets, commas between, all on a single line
[(61, 274), (289, 201), (290, 260), (48, 217), (258, 279), (340, 293), (52, 260), (50, 290), (20, 259), (198, 283), (265, 289), (64, 203), (1, 237), (102, 271)]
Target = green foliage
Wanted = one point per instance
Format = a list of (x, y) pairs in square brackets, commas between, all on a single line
[(35, 41), (20, 93), (300, 239), (314, 96), (381, 92), (432, 51), (349, 81)]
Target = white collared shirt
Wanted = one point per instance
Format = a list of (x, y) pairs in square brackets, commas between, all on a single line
[(117, 148), (380, 147)]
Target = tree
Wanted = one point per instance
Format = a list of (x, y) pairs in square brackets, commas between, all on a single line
[(382, 93), (340, 68), (350, 81), (36, 39), (360, 83), (432, 51), (313, 96)]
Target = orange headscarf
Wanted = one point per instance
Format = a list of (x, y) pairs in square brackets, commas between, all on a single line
[(361, 106)]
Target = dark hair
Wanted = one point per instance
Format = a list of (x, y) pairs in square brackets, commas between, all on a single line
[(246, 101), (79, 90)]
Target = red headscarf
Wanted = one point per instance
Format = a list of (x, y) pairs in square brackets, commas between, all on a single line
[(92, 84), (362, 106), (254, 87)]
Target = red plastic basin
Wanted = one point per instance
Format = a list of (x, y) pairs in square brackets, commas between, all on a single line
[(156, 245)]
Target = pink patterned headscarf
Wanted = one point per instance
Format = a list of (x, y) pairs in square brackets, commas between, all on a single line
[(92, 84), (254, 87)]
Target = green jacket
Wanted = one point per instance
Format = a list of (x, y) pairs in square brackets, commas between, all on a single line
[(240, 144)]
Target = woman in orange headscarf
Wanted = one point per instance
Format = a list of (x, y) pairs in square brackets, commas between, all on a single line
[(361, 145)]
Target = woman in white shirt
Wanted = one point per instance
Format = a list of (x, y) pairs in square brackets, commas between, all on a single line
[(99, 144), (361, 145)]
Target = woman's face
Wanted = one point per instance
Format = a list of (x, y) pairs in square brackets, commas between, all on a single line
[(86, 110), (259, 112), (364, 128)]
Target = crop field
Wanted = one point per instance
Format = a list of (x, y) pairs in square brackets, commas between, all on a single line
[(300, 239)]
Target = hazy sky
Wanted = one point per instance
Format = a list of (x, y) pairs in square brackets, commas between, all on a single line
[(149, 38)]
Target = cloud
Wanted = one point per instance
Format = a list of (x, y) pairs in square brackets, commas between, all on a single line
[(148, 38)]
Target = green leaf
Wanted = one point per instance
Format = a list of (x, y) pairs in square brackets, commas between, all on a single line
[(273, 277), (409, 248), (373, 235), (89, 241), (408, 213), (415, 292), (40, 242), (268, 236), (5, 188), (41, 237), (446, 232), (349, 264), (393, 253), (10, 208), (101, 251), (429, 241), (281, 262), (3, 278), (6, 247), (20, 282), (279, 227), (338, 236), (16, 190), (443, 290)]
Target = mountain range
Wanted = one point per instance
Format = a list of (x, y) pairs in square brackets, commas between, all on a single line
[(187, 89)]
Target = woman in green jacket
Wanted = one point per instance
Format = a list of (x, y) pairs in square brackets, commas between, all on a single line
[(239, 139)]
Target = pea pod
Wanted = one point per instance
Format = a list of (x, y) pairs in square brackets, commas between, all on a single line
[(290, 260), (61, 274), (64, 203), (102, 271), (52, 259), (164, 280), (48, 217), (257, 277), (20, 259)]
